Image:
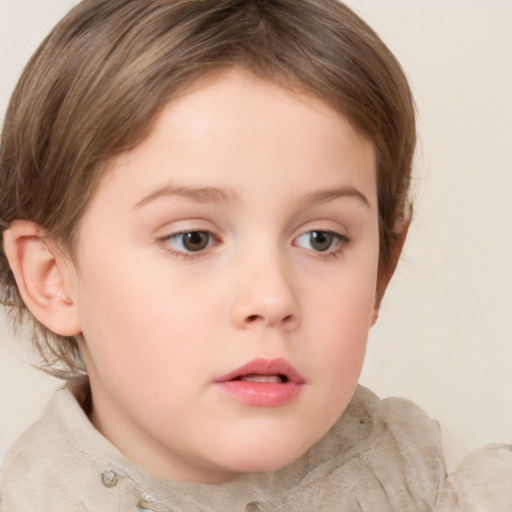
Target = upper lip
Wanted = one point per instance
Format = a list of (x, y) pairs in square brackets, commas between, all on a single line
[(263, 366)]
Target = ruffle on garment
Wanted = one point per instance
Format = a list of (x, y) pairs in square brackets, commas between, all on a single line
[(482, 483)]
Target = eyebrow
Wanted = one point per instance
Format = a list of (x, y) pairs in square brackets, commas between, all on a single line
[(222, 195), (198, 194), (325, 196)]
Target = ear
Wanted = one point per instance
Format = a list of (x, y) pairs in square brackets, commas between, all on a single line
[(43, 276), (385, 275)]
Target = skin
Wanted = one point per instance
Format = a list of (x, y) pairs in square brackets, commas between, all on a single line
[(256, 169)]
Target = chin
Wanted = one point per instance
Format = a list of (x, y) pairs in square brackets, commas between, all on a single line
[(267, 457)]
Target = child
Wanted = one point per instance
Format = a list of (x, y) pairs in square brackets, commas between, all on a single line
[(202, 203)]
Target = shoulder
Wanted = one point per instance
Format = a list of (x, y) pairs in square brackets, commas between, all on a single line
[(482, 481), (396, 428), (50, 466), (403, 453), (404, 448), (29, 467)]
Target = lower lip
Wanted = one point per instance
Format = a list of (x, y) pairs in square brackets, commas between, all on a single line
[(261, 394)]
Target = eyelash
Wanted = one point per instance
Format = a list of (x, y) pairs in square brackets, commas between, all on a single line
[(341, 240)]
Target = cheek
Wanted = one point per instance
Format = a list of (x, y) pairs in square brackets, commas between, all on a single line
[(143, 321), (338, 318), (342, 344), (343, 302)]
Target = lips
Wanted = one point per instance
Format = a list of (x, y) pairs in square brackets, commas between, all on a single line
[(262, 382)]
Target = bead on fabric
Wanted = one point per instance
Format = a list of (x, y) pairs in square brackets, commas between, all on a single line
[(145, 506), (109, 478), (252, 507)]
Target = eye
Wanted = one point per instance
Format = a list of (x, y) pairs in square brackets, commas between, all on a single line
[(190, 241), (321, 241)]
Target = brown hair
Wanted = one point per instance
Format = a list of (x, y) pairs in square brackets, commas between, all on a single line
[(96, 84)]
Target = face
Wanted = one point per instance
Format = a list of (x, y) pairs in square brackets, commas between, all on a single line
[(225, 281)]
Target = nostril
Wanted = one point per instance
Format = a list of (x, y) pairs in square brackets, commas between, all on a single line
[(288, 319), (251, 319)]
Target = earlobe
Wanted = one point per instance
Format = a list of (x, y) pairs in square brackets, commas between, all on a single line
[(375, 314), (42, 276)]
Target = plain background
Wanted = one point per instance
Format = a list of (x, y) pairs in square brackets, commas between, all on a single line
[(444, 338)]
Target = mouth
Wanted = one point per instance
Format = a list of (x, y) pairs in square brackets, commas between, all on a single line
[(265, 371), (255, 377), (263, 383)]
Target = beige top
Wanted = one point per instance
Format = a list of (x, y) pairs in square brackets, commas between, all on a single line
[(381, 456)]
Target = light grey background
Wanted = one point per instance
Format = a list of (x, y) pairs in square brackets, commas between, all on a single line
[(444, 338)]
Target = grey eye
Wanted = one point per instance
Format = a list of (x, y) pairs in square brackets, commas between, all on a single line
[(319, 241)]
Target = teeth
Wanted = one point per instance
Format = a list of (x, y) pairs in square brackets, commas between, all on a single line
[(262, 378)]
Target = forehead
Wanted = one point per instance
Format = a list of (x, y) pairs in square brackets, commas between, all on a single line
[(234, 127)]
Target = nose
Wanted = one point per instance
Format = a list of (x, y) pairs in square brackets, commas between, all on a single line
[(265, 295)]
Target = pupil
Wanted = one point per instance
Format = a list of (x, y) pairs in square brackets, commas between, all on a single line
[(195, 241), (321, 241)]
